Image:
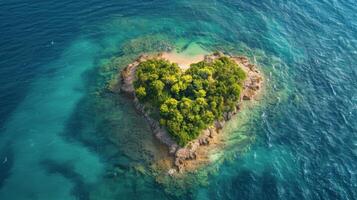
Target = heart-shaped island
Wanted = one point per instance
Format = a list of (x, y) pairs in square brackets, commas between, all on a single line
[(187, 102)]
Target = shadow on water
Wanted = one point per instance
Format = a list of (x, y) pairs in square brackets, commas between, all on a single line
[(244, 185), (87, 127), (269, 186), (80, 189), (248, 185), (82, 127), (6, 163)]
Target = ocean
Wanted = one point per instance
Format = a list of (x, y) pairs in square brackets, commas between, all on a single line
[(62, 137)]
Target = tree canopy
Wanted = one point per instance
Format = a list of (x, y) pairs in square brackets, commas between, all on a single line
[(189, 102)]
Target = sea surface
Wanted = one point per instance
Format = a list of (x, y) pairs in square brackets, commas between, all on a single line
[(57, 142)]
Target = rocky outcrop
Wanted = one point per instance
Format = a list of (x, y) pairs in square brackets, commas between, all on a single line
[(251, 87), (254, 80), (127, 78)]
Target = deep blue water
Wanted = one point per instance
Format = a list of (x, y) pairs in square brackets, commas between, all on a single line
[(305, 130)]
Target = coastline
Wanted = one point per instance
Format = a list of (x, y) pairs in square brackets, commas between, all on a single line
[(195, 153)]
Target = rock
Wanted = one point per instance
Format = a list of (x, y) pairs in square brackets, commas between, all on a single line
[(238, 107), (205, 133), (173, 148), (212, 132), (183, 153), (194, 145), (241, 59), (219, 124), (251, 66), (218, 54), (164, 137), (178, 162), (193, 155), (127, 78), (201, 141), (228, 115), (135, 63), (255, 87), (180, 168), (245, 97), (142, 58), (205, 141), (171, 172)]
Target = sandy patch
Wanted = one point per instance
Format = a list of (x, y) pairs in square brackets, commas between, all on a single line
[(183, 60)]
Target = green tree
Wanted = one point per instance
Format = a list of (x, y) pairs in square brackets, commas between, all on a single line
[(189, 102)]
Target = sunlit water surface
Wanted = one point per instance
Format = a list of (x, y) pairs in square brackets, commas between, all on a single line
[(59, 140)]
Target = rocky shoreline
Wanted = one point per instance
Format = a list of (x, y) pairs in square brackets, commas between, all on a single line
[(183, 155)]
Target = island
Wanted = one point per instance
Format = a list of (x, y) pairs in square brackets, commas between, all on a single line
[(186, 102)]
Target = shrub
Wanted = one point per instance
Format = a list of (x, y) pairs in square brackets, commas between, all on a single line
[(190, 101)]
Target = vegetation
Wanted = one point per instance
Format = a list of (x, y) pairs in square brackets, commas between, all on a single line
[(189, 101)]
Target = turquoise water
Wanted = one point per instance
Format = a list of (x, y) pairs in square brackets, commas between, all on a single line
[(299, 142)]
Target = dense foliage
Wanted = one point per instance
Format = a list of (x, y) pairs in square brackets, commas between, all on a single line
[(189, 101)]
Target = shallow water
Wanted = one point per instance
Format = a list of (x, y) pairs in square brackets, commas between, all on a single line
[(298, 142)]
